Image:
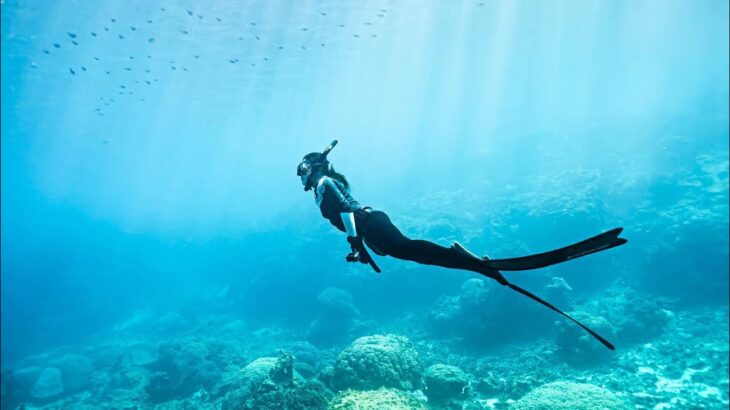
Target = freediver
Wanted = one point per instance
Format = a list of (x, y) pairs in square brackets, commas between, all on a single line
[(374, 228)]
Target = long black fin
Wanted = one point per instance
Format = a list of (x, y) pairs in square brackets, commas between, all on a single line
[(549, 305), (538, 299), (601, 242)]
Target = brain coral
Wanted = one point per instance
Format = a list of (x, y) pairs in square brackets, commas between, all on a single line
[(563, 395), (372, 362)]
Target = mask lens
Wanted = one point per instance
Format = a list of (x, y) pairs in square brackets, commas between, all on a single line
[(304, 169)]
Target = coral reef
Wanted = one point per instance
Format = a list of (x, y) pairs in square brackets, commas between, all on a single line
[(444, 383), (381, 399), (337, 318), (578, 347), (571, 396), (372, 362)]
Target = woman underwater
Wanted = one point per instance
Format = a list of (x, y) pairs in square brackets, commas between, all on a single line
[(374, 228)]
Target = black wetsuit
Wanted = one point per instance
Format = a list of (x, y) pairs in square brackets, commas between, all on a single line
[(378, 231)]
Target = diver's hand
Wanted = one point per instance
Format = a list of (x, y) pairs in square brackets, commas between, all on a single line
[(355, 245)]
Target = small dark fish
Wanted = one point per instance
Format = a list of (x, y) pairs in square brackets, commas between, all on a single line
[(106, 28), (46, 51), (305, 29), (356, 35), (113, 20), (373, 35), (196, 56), (149, 21), (162, 9), (111, 99), (93, 34), (56, 45), (253, 23), (173, 68), (233, 61), (83, 68), (480, 4), (321, 44), (200, 17), (148, 83), (304, 48), (240, 37), (190, 13), (219, 19), (185, 69), (258, 38), (142, 99), (105, 142), (108, 72), (172, 61), (120, 93), (122, 86), (136, 81), (184, 31), (71, 70), (133, 28), (121, 37), (74, 42), (150, 40), (33, 65), (97, 59), (97, 109), (322, 13), (281, 47), (131, 57), (130, 93), (155, 80), (266, 58), (367, 23), (148, 57), (128, 68), (72, 35), (342, 25), (383, 10), (253, 65), (147, 70)]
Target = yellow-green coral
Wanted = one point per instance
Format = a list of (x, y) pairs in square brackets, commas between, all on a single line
[(570, 396), (381, 399)]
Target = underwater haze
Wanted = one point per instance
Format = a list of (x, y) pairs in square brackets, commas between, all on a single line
[(159, 252)]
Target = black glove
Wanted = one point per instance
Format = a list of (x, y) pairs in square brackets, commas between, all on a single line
[(355, 245)]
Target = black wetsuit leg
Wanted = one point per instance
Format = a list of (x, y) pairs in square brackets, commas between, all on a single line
[(380, 233)]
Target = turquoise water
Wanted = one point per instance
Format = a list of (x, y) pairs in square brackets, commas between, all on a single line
[(156, 240)]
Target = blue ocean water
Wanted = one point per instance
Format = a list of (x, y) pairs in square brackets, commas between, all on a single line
[(158, 250)]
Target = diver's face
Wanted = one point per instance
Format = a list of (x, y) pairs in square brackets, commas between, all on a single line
[(304, 170)]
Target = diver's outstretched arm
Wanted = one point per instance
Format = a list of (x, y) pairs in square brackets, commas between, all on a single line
[(606, 240)]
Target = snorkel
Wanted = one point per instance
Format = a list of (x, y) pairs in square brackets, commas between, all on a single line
[(313, 162)]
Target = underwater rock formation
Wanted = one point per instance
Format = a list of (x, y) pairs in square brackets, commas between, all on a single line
[(272, 383), (337, 318), (637, 318), (382, 398), (49, 384), (577, 347), (479, 315), (444, 383), (563, 395), (184, 367), (372, 362)]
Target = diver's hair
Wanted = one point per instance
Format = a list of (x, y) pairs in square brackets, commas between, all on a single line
[(338, 177)]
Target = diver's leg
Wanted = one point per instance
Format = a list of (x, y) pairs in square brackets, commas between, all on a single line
[(389, 239)]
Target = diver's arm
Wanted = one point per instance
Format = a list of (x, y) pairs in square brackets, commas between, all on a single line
[(348, 219)]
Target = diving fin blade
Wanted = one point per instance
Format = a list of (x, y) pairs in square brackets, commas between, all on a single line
[(601, 242)]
